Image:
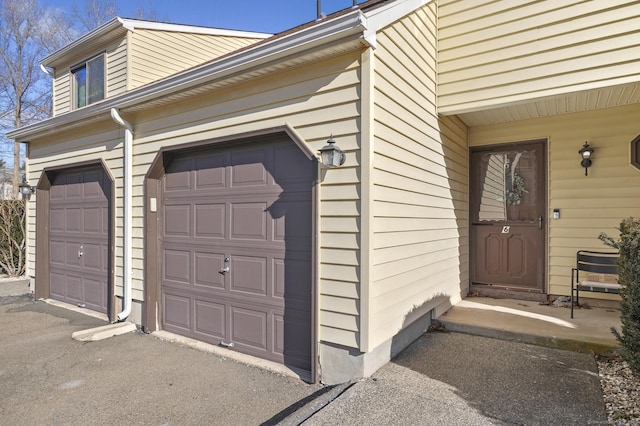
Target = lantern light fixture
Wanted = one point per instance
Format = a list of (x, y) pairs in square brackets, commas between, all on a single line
[(586, 152), (331, 155), (25, 189)]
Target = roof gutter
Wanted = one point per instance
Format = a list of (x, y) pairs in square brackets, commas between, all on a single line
[(127, 155), (322, 33)]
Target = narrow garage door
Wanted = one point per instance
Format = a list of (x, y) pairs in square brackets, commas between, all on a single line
[(236, 249), (79, 238)]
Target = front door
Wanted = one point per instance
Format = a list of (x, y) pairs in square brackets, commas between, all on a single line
[(508, 204)]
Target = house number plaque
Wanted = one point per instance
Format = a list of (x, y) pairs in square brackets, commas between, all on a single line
[(506, 229)]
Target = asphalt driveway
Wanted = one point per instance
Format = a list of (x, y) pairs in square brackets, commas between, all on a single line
[(137, 379), (134, 379)]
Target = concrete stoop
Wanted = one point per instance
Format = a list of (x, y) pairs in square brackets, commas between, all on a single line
[(14, 286), (534, 323), (103, 332), (549, 341)]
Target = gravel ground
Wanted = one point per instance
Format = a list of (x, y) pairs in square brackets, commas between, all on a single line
[(621, 390)]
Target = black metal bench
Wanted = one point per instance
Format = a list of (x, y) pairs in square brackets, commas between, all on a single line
[(596, 262)]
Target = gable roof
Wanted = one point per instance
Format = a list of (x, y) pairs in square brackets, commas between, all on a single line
[(118, 27), (349, 29)]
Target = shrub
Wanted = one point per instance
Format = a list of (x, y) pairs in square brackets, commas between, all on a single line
[(12, 237), (629, 278)]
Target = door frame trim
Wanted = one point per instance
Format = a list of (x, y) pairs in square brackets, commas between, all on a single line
[(151, 309), (43, 216), (514, 292)]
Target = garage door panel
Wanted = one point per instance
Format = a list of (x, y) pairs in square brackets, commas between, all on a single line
[(180, 177), (74, 288), (211, 173), (291, 328), (71, 250), (73, 219), (249, 167), (249, 327), (249, 221), (177, 266), (177, 220), (210, 320), (92, 256), (57, 285), (73, 185), (92, 220), (56, 220), (292, 166), (249, 275), (208, 266), (176, 311), (92, 184), (93, 294), (210, 221), (57, 252), (293, 220), (293, 283)]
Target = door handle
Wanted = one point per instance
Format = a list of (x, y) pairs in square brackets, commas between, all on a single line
[(80, 251), (227, 345), (226, 267), (540, 222)]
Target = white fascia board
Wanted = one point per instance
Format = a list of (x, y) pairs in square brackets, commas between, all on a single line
[(387, 14), (102, 30), (343, 26), (133, 24)]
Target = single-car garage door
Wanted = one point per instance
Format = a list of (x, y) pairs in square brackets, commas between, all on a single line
[(237, 248), (79, 237)]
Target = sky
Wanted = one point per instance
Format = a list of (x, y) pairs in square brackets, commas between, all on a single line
[(268, 16)]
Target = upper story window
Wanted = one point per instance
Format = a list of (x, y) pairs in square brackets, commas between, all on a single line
[(88, 82)]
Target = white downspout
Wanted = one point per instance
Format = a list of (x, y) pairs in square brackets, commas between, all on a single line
[(127, 201)]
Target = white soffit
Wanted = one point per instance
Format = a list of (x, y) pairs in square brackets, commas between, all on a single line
[(587, 100)]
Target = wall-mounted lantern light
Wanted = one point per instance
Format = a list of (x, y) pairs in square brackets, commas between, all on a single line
[(331, 155), (586, 152), (25, 189)]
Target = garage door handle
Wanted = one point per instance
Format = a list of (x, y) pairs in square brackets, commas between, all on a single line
[(80, 251), (227, 345), (224, 270)]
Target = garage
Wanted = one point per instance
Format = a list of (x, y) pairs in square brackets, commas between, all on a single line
[(79, 236), (236, 247)]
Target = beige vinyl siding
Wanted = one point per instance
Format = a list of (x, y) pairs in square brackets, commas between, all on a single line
[(419, 227), (61, 92), (588, 204), (116, 64), (156, 54), (116, 76), (492, 53), (317, 100)]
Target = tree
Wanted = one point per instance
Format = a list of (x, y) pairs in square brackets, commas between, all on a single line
[(27, 33), (94, 13)]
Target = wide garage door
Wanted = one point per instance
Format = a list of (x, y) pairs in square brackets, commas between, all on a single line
[(79, 238), (236, 249)]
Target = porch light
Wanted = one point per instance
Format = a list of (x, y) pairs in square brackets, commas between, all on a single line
[(585, 152), (25, 189), (331, 155)]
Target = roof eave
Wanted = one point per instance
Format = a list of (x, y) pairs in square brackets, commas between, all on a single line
[(351, 24)]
